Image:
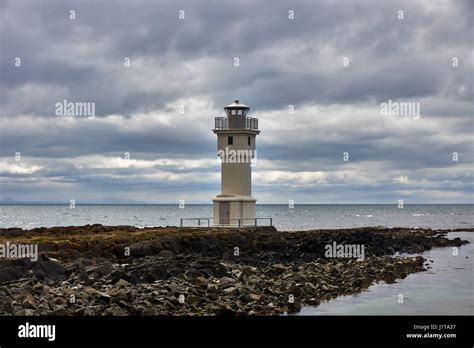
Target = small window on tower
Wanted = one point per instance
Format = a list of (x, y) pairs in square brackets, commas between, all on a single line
[(248, 141), (233, 112), (239, 112), (230, 140)]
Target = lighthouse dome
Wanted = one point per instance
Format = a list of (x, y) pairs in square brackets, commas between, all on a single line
[(236, 109)]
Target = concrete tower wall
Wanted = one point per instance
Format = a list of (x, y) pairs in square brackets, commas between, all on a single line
[(236, 145), (237, 177)]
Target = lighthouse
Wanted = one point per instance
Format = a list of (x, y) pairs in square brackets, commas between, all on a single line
[(236, 149)]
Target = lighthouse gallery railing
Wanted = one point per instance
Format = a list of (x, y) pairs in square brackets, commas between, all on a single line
[(250, 123)]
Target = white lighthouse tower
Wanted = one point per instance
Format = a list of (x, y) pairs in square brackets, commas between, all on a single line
[(236, 135)]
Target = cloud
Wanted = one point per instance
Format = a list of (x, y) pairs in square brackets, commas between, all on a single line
[(20, 168), (160, 109)]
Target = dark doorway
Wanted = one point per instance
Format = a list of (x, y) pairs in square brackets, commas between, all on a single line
[(224, 212)]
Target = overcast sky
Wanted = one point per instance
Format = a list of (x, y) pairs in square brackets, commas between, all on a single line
[(334, 63)]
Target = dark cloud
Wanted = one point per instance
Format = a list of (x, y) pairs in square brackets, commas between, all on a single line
[(189, 63)]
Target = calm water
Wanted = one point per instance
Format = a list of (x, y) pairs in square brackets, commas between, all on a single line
[(446, 289), (301, 217)]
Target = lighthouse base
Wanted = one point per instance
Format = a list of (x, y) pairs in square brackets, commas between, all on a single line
[(234, 211)]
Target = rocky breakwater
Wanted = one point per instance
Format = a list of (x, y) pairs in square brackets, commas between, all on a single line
[(123, 270)]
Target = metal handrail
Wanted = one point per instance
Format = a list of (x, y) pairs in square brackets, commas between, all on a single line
[(221, 123), (239, 224), (194, 219), (239, 221), (251, 123)]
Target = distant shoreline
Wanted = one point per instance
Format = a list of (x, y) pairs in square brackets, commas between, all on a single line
[(210, 204)]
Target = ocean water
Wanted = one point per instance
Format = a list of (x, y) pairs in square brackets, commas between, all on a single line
[(301, 217), (445, 289)]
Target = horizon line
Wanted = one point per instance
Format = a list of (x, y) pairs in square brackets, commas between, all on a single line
[(210, 204)]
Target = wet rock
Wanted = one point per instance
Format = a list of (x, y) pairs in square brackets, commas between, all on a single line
[(294, 307)]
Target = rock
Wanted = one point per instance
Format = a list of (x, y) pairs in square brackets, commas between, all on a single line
[(122, 283), (213, 296), (275, 270), (29, 302), (79, 311), (108, 312), (60, 301), (68, 254), (104, 268), (24, 312), (80, 272), (279, 266), (227, 281), (194, 300), (294, 307), (201, 281), (5, 291), (41, 289), (118, 275), (148, 312), (60, 311), (120, 295), (191, 274), (166, 254), (91, 291), (46, 269), (165, 263), (211, 288), (255, 297), (229, 290), (236, 273), (247, 270), (8, 274)]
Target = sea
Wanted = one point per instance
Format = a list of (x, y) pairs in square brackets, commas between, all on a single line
[(300, 217), (447, 288)]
